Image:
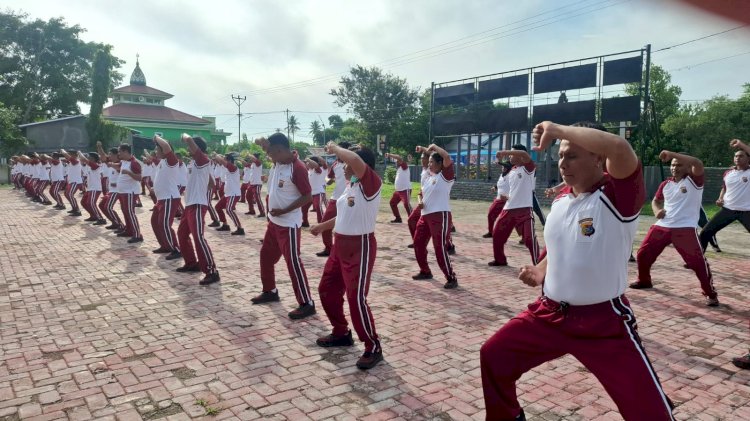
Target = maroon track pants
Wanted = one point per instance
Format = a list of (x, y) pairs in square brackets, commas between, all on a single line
[(404, 197), (284, 241), (520, 219), (435, 226), (329, 214), (192, 224), (161, 222)]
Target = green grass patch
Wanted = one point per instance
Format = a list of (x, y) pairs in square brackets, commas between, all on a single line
[(385, 192)]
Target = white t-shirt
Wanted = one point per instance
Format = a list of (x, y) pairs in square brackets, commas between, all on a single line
[(286, 183), (74, 171), (257, 173), (522, 180), (682, 201), (196, 192), (183, 174), (589, 239), (94, 179), (424, 177), (166, 178), (42, 171), (247, 173), (357, 208), (436, 191), (503, 187), (317, 180), (403, 177), (114, 175), (336, 171), (126, 183), (737, 190), (232, 178), (148, 170)]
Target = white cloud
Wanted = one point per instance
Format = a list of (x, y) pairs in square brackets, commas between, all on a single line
[(204, 52)]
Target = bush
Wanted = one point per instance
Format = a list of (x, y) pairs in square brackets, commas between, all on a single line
[(390, 174)]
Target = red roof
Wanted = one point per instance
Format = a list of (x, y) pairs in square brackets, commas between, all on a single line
[(143, 90), (151, 113)]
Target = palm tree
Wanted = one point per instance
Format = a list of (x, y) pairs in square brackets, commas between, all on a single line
[(292, 125), (316, 131)]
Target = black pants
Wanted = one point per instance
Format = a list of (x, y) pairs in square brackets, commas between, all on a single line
[(702, 221), (723, 218), (538, 209)]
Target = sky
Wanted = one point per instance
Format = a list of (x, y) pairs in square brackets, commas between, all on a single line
[(290, 54)]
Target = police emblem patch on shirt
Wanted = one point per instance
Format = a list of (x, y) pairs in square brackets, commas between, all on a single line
[(281, 184), (350, 201), (683, 189), (587, 226), (744, 179), (520, 175), (434, 181)]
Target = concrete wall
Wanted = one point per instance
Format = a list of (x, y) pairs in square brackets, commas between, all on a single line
[(68, 134)]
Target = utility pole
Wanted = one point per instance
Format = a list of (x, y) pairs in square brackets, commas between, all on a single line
[(239, 100), (324, 131), (287, 123)]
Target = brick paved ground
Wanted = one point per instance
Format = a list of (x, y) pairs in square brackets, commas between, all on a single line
[(91, 327)]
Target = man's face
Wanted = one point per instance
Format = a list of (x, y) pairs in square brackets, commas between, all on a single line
[(275, 152), (577, 165), (434, 166), (741, 159), (677, 169), (515, 160), (123, 154)]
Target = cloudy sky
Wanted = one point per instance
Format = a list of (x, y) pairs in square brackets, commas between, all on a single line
[(290, 54)]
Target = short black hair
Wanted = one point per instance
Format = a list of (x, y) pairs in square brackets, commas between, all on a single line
[(201, 143), (519, 147), (507, 166), (113, 150), (124, 147), (344, 144), (318, 160), (278, 139), (94, 156), (365, 154), (437, 157), (57, 155), (230, 157), (590, 125)]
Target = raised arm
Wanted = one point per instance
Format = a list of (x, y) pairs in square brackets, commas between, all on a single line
[(82, 158), (100, 151), (738, 144), (447, 161), (348, 157), (163, 145), (621, 160), (522, 155), (395, 157), (695, 164), (312, 164), (192, 147)]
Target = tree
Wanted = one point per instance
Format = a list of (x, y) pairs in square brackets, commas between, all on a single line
[(414, 128), (316, 130), (11, 139), (101, 85), (45, 68), (379, 100), (335, 121), (292, 125)]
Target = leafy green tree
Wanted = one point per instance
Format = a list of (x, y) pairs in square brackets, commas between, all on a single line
[(45, 68), (379, 100), (316, 130), (292, 125), (12, 140), (335, 121), (101, 86)]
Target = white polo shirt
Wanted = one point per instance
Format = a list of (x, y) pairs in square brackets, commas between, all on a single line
[(336, 171), (317, 180), (737, 189), (403, 177), (257, 172), (183, 174), (357, 208), (42, 171), (424, 177), (286, 183), (247, 173), (56, 171), (503, 187), (589, 239), (74, 171), (114, 174), (232, 178), (125, 183), (196, 192), (166, 177), (94, 179), (682, 201), (436, 191), (522, 180), (148, 170)]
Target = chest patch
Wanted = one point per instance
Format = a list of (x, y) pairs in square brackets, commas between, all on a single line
[(683, 189), (587, 226), (350, 201), (744, 179)]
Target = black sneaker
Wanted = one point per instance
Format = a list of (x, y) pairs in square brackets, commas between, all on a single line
[(305, 225), (188, 268), (123, 234), (451, 284), (91, 219), (716, 248), (305, 310), (265, 297), (422, 275), (161, 251), (712, 302), (496, 263), (331, 340), (411, 246), (174, 255), (396, 221), (631, 259), (520, 241), (210, 278), (261, 215), (112, 227), (323, 253), (214, 224), (453, 228), (100, 222), (369, 360), (641, 285), (139, 205), (742, 362), (452, 249), (75, 213), (487, 235), (135, 240), (224, 227), (249, 213), (239, 231)]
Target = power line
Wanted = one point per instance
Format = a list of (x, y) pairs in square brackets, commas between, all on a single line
[(691, 66), (699, 39)]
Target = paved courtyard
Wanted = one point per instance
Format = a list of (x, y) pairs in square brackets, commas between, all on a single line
[(94, 328)]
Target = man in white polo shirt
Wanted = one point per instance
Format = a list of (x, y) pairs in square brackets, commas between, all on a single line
[(167, 192), (231, 194), (517, 213), (73, 171), (734, 198), (582, 310), (402, 188), (676, 206), (255, 180), (288, 190), (335, 175), (129, 187)]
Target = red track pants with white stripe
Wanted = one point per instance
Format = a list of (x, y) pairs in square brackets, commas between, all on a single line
[(319, 201), (522, 219), (496, 208), (192, 224), (603, 337), (161, 222), (348, 271), (89, 203), (229, 203), (686, 241), (252, 196), (54, 191), (437, 226), (404, 197), (284, 241), (127, 204), (328, 215)]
